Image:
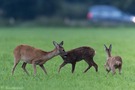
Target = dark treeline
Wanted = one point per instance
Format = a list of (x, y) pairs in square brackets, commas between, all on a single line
[(30, 9)]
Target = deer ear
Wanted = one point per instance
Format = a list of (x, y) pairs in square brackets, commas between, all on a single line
[(105, 46), (110, 47), (61, 44), (55, 44)]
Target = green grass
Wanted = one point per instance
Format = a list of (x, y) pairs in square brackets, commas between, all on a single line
[(122, 40)]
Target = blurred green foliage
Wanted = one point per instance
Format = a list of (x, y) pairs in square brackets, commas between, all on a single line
[(31, 9)]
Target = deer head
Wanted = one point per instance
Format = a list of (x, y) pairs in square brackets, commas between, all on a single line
[(60, 48), (108, 50)]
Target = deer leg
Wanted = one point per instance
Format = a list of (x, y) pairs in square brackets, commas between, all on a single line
[(62, 65), (87, 68), (90, 65), (24, 68), (113, 70), (42, 66), (73, 67), (14, 68), (120, 69), (34, 67), (95, 66), (16, 61), (108, 71)]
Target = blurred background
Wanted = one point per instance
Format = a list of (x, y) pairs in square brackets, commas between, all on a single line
[(67, 12)]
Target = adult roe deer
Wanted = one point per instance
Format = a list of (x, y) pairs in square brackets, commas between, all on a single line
[(78, 54), (34, 56), (113, 62)]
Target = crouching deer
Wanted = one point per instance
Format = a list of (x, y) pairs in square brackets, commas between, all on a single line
[(78, 54), (34, 56), (113, 62)]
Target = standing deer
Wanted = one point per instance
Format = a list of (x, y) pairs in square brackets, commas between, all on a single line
[(113, 62), (78, 54), (35, 56)]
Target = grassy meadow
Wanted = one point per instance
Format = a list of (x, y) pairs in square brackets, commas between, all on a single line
[(123, 44)]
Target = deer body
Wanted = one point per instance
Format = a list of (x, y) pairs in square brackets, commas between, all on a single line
[(113, 62), (78, 54), (34, 56)]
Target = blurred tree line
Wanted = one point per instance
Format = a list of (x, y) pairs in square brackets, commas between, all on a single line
[(30, 9)]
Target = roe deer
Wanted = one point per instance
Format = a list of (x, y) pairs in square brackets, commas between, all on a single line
[(75, 55), (113, 62), (35, 56)]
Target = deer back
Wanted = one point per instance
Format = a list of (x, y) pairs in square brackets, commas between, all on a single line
[(114, 61)]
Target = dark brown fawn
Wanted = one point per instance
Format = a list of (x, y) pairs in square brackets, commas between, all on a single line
[(35, 56), (113, 62), (78, 54)]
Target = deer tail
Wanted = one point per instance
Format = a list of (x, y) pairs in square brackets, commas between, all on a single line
[(94, 52)]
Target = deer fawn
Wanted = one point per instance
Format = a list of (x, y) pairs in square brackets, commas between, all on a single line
[(75, 55), (113, 62), (35, 56)]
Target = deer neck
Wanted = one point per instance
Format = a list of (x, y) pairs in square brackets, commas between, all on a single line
[(109, 55), (63, 57), (51, 54)]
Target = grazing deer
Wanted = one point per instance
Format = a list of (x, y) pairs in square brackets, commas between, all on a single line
[(78, 54), (113, 62), (35, 56)]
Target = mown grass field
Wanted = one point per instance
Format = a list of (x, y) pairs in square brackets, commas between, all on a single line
[(122, 39)]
